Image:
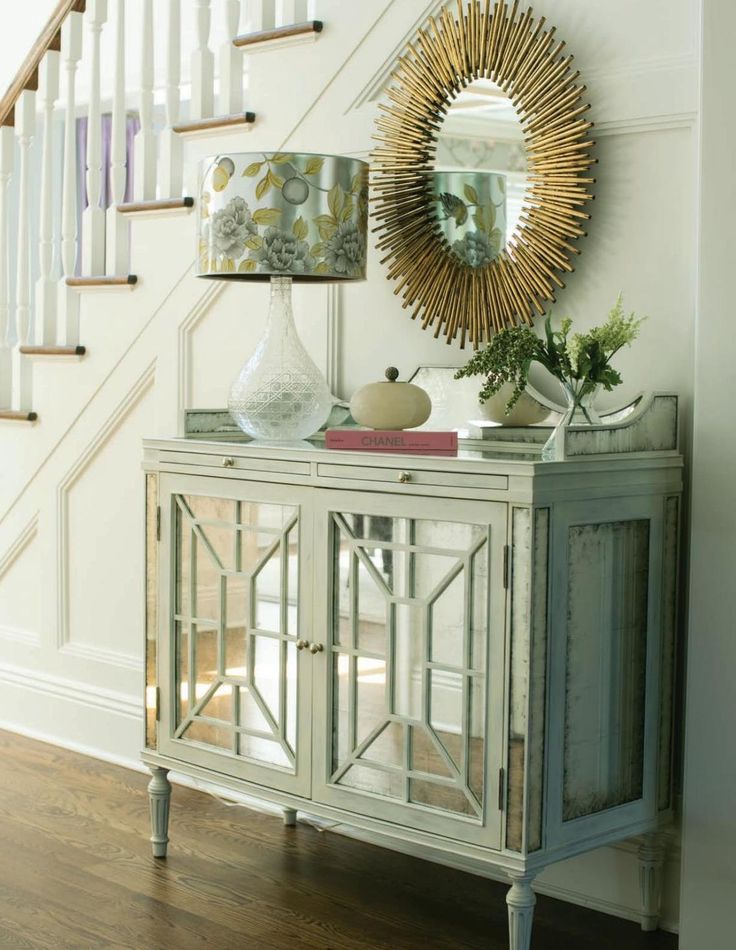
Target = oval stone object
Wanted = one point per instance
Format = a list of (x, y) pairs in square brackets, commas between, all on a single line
[(390, 404)]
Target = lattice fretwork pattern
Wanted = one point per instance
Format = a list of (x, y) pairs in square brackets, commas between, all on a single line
[(409, 628), (236, 627)]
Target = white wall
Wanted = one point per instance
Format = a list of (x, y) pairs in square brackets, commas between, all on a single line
[(709, 847), (18, 37), (70, 501)]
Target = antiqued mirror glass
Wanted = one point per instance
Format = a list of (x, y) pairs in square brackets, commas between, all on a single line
[(480, 177)]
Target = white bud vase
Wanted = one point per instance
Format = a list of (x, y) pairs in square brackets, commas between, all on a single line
[(280, 394)]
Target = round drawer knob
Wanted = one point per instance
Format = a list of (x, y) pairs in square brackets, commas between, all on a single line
[(404, 477), (315, 648), (302, 644), (228, 461)]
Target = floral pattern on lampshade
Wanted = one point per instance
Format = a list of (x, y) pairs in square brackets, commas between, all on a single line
[(297, 215), (470, 207)]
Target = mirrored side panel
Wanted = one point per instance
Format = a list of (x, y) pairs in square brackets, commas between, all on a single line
[(528, 684), (606, 655), (669, 649), (151, 737)]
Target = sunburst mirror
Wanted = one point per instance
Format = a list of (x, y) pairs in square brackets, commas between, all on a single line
[(482, 171)]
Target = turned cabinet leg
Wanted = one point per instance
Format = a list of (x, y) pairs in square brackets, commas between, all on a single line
[(159, 793), (290, 817), (521, 900), (651, 869)]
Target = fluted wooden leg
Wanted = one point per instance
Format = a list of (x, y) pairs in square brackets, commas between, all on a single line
[(651, 867), (159, 792), (520, 901), (290, 817)]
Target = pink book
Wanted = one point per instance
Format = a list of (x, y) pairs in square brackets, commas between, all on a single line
[(413, 442)]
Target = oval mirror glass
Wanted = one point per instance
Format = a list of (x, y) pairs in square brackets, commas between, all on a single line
[(480, 174)]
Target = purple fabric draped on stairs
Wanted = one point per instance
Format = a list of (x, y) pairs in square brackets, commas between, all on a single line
[(132, 126)]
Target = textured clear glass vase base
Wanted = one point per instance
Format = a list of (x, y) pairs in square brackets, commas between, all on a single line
[(280, 395)]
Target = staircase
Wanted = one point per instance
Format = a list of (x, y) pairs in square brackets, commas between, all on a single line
[(78, 287)]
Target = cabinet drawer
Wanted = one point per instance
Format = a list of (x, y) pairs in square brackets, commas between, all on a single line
[(231, 463), (413, 476)]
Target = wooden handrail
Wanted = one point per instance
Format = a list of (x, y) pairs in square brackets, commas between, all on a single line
[(27, 75)]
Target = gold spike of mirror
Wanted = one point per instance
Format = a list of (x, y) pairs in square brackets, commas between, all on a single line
[(475, 248)]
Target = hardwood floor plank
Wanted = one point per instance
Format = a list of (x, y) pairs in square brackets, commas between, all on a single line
[(76, 871)]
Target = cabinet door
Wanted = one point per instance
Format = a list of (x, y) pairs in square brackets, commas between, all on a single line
[(409, 689), (235, 597), (605, 631)]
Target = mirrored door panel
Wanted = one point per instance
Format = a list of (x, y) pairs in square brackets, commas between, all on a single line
[(235, 612), (409, 620)]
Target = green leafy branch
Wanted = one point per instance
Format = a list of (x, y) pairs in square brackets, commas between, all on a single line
[(581, 362)]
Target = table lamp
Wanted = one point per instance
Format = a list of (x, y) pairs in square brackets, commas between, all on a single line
[(281, 217)]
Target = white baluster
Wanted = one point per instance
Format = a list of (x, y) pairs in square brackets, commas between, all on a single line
[(286, 11), (117, 226), (7, 156), (71, 53), (93, 218), (259, 16), (44, 330), (145, 140), (231, 62), (25, 127), (171, 147), (203, 65), (313, 9)]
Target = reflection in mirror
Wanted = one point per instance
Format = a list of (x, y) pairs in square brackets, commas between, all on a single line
[(480, 173)]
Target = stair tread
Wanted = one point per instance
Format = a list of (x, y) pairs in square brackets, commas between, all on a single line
[(216, 122), (279, 32), (102, 280), (155, 204), (17, 415), (53, 350)]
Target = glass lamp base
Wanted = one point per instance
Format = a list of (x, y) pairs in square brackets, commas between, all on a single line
[(280, 395)]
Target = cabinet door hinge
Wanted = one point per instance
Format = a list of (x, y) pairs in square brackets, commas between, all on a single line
[(506, 565), (158, 704), (158, 523), (501, 789)]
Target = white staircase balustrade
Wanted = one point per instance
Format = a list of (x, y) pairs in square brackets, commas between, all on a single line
[(231, 62), (47, 241), (258, 15), (93, 218), (25, 127), (145, 140), (203, 65), (44, 329), (7, 156), (68, 299), (171, 158), (117, 227)]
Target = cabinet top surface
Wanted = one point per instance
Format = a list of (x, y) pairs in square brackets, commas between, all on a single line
[(472, 455)]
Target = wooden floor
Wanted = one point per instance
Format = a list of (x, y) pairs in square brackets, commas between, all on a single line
[(76, 872)]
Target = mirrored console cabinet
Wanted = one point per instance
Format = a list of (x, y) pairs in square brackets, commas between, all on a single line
[(473, 654)]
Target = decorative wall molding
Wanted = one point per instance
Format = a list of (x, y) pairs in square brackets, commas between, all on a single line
[(63, 636), (16, 635), (184, 345), (16, 549), (118, 659), (75, 691), (334, 328)]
